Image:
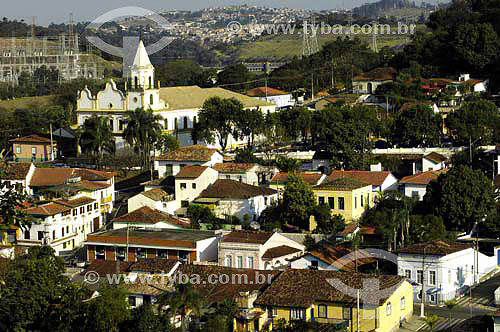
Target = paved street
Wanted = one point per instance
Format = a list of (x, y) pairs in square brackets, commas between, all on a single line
[(482, 302)]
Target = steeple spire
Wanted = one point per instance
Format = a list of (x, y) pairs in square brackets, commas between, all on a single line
[(141, 58)]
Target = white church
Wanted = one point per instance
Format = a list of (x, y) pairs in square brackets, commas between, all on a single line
[(178, 106)]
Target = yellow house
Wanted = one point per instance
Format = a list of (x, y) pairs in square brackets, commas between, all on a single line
[(309, 295), (346, 197)]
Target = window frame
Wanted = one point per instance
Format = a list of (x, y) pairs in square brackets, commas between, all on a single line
[(324, 308)]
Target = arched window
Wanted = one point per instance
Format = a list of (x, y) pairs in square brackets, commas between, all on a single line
[(176, 124), (185, 122), (150, 82), (166, 124), (136, 82), (151, 100)]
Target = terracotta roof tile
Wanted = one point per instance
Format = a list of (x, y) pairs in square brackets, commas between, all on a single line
[(104, 268), (14, 171), (342, 184), (48, 209), (190, 172), (247, 237), (46, 177), (233, 167), (93, 175), (302, 288), (349, 229), (423, 178), (155, 265), (265, 92), (435, 157), (310, 178), (147, 215), (31, 139), (153, 285), (156, 194), (279, 251), (373, 178), (230, 189), (437, 248), (342, 258), (76, 201), (192, 153), (92, 185)]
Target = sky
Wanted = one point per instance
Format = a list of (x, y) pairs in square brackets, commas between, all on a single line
[(57, 11)]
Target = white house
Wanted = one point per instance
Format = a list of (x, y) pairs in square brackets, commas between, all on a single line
[(171, 162), (234, 198), (433, 162), (257, 250), (253, 174), (64, 224), (277, 97), (146, 217), (177, 106), (189, 183), (156, 199), (17, 175), (367, 83), (446, 269), (415, 186), (380, 180)]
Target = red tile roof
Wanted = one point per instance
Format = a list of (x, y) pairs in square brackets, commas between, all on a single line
[(229, 189), (233, 167), (265, 92), (436, 248), (423, 178), (435, 157), (31, 139), (14, 171), (105, 268), (342, 184), (373, 178), (93, 175), (48, 209), (279, 251), (147, 215), (310, 178), (192, 153), (191, 172), (47, 177), (156, 194), (342, 258), (92, 185), (153, 265), (84, 200), (247, 237)]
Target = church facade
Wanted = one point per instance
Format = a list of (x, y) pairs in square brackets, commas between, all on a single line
[(178, 106)]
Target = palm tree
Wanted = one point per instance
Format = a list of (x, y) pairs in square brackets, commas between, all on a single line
[(97, 137), (184, 300), (430, 321), (450, 305), (142, 132)]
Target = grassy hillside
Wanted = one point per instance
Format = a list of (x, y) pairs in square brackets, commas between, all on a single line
[(27, 102)]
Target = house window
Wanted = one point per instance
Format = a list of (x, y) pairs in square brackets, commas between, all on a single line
[(346, 313), (67, 229), (183, 185), (321, 200), (229, 261), (415, 195), (322, 312), (131, 301), (184, 204), (193, 185), (96, 206), (62, 231), (100, 252), (388, 309), (82, 209), (331, 202), (250, 262), (111, 126), (408, 274), (146, 299), (165, 124), (297, 314), (362, 200), (355, 202), (314, 265), (432, 278), (26, 235), (403, 303), (18, 149), (141, 253), (64, 245), (151, 100), (120, 254), (341, 203), (40, 235), (53, 235), (239, 262), (185, 122), (228, 177), (240, 178), (89, 207), (183, 256), (162, 253), (121, 124), (420, 276), (33, 150)]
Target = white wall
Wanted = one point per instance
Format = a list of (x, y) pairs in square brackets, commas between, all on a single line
[(410, 188), (207, 250), (428, 165), (390, 183), (208, 177), (161, 224), (305, 262)]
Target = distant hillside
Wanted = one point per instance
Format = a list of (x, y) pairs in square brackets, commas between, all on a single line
[(383, 7)]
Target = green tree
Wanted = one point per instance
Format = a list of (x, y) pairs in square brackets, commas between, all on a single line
[(426, 228), (250, 123), (474, 121), (12, 204), (430, 322), (270, 218), (184, 73), (142, 132), (310, 243), (232, 75), (184, 300), (199, 214), (167, 143), (97, 137), (298, 202), (107, 311), (217, 120), (288, 165), (416, 126), (477, 44), (461, 197), (145, 319)]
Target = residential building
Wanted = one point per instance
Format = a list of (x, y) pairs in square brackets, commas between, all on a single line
[(190, 182), (17, 175), (177, 106), (65, 224), (171, 162), (321, 161), (332, 258), (415, 186), (346, 197), (366, 233), (238, 199), (156, 199), (253, 174), (33, 148), (279, 181), (496, 320), (273, 96), (146, 217), (309, 295), (257, 250), (446, 269), (367, 83), (183, 245), (433, 162), (380, 181)]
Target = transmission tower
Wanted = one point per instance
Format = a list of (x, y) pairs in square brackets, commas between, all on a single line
[(310, 39), (374, 36)]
